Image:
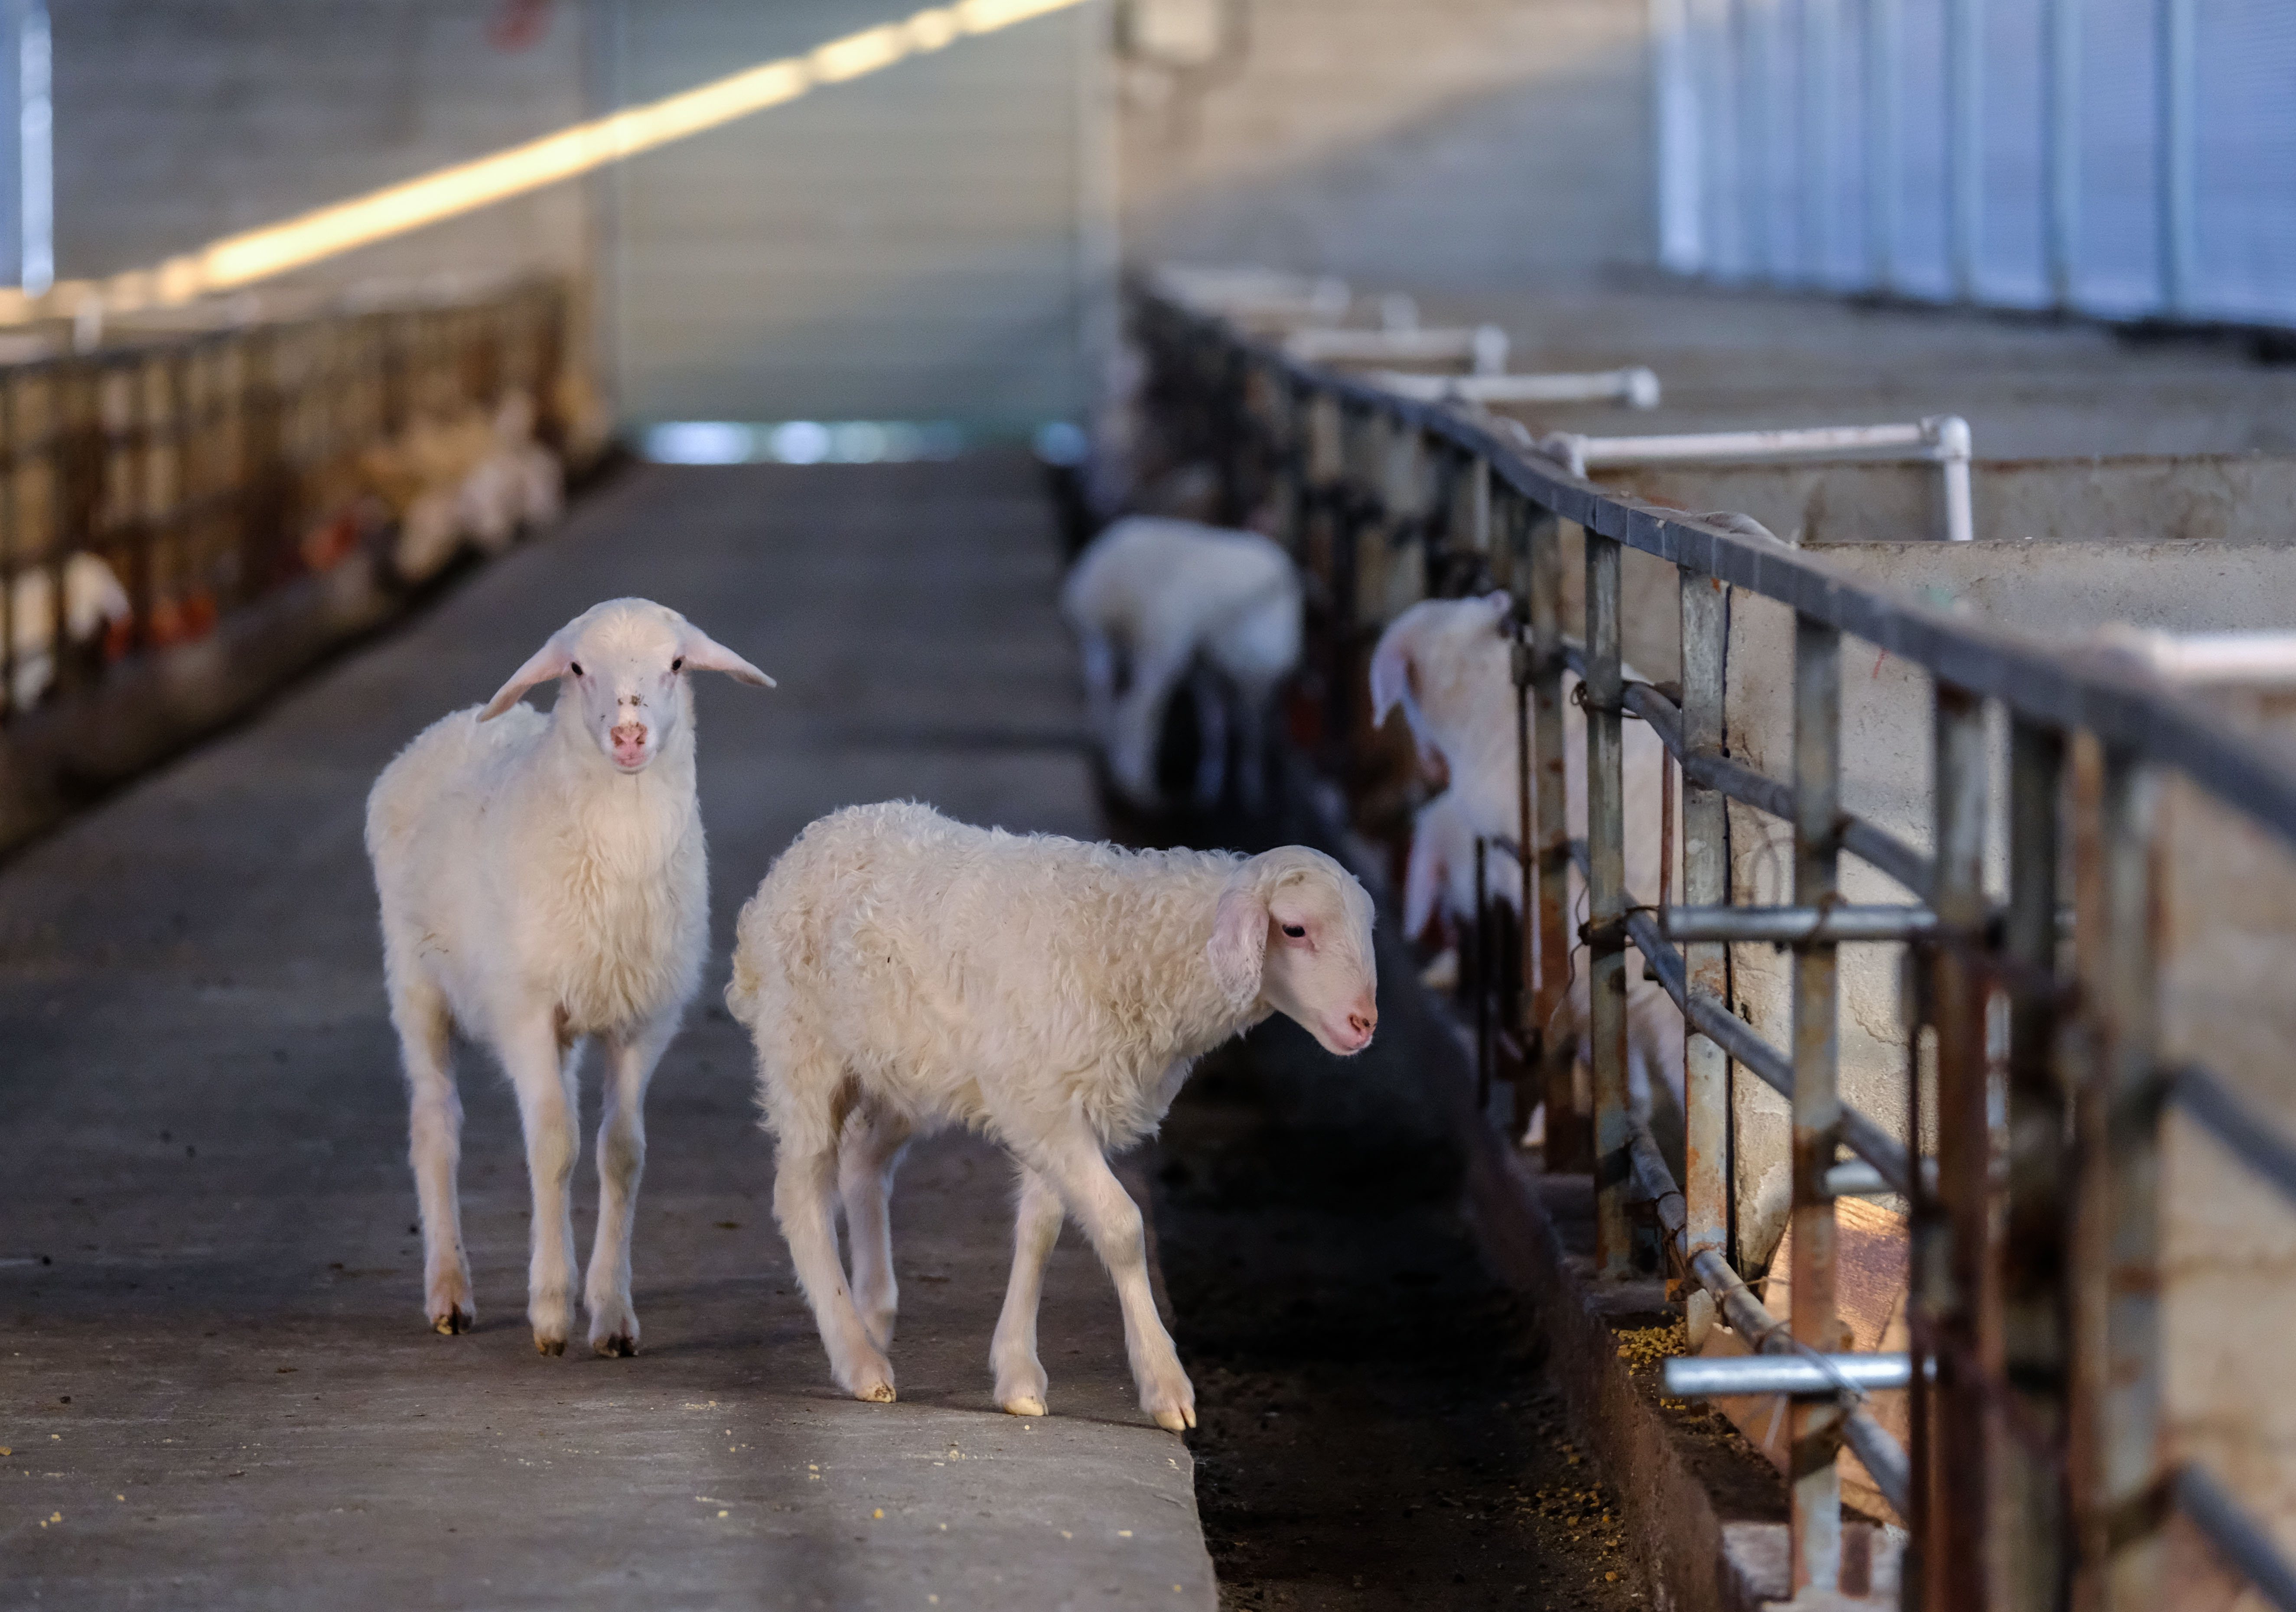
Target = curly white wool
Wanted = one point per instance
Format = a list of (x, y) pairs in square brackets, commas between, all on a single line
[(542, 881), (1152, 601), (900, 973)]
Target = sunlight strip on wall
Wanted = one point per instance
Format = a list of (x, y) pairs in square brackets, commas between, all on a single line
[(447, 192)]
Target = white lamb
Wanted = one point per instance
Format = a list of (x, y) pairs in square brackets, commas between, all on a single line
[(1152, 601), (1438, 876), (543, 882), (93, 603), (1448, 665), (900, 973)]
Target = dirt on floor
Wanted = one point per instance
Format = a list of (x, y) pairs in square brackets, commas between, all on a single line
[(1374, 1428)]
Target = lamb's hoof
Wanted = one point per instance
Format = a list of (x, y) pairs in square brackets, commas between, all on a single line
[(875, 1393), (619, 1345), (451, 1323), (1176, 1421), (1024, 1405), (549, 1345)]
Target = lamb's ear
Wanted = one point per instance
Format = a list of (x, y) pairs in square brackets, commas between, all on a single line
[(1239, 942), (1391, 672), (704, 653), (551, 661)]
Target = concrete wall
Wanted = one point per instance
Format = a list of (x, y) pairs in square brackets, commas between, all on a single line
[(2238, 498), (178, 124), (1432, 143)]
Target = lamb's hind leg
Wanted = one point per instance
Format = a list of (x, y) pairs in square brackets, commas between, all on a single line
[(1021, 1383), (435, 1150), (867, 1157), (622, 1162), (803, 1110)]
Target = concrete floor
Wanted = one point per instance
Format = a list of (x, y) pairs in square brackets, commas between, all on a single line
[(216, 1386)]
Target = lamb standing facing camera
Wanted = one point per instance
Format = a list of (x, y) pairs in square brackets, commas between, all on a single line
[(900, 973), (543, 883)]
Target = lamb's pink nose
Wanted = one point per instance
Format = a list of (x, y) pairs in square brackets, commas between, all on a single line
[(1364, 1021), (629, 740)]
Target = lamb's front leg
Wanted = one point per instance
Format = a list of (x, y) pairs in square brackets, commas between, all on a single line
[(622, 1162), (1021, 1383), (548, 1108), (870, 1153), (1071, 1160), (434, 1148)]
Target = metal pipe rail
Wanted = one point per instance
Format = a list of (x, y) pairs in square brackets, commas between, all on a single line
[(2057, 1340), (1942, 440), (1483, 346), (1637, 388), (1884, 1457)]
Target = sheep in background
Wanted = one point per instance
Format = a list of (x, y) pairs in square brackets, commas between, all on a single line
[(543, 882), (467, 478), (1448, 665), (901, 973), (1439, 882), (93, 604), (1156, 602)]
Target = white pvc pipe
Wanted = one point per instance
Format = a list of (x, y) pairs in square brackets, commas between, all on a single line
[(1484, 345), (2258, 659), (1637, 388), (1943, 440)]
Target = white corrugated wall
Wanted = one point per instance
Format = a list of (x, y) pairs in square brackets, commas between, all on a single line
[(2124, 158)]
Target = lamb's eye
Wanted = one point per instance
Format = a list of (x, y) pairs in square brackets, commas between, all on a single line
[(576, 667), (1297, 931), (677, 665)]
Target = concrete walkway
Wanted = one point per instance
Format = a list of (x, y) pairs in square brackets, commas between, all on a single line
[(216, 1386)]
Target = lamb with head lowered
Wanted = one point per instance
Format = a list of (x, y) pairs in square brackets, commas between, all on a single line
[(542, 881), (900, 973)]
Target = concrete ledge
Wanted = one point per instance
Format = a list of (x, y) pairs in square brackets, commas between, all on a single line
[(63, 754)]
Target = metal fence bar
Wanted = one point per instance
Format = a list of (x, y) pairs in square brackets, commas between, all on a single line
[(1705, 880), (1953, 1228), (2236, 1538), (2246, 1135), (1816, 1425), (1606, 888), (2121, 1545), (2035, 1568), (1570, 1144)]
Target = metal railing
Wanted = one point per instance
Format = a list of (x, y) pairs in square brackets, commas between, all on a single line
[(152, 486), (2036, 1370)]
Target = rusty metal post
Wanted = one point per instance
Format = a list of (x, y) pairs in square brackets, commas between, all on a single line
[(1568, 1146), (2120, 1570), (1606, 947), (1515, 516), (1484, 976), (10, 545), (1815, 1424), (1955, 1227), (2034, 1568), (1291, 448), (1705, 882)]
